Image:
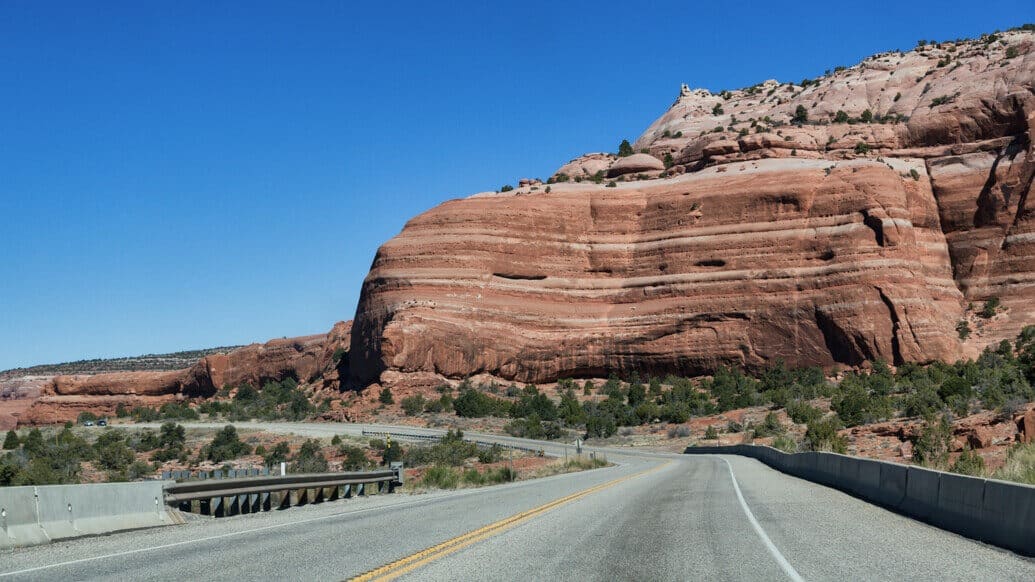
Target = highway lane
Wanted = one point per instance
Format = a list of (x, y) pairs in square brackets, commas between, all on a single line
[(657, 517)]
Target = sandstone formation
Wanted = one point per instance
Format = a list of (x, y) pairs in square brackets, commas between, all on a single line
[(317, 359), (633, 164), (848, 218)]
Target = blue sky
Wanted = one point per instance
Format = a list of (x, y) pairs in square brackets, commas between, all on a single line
[(190, 174)]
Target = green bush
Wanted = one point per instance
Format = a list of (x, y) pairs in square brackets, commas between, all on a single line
[(969, 463), (770, 426), (385, 397), (413, 405), (841, 117), (990, 308), (710, 433), (506, 188), (822, 435), (625, 149), (866, 117), (801, 115), (276, 455), (309, 458), (145, 414), (931, 447), (86, 416), (439, 477), (11, 441), (111, 453), (1019, 466), (335, 440), (785, 444), (963, 329), (226, 445), (802, 413), (717, 110), (862, 148), (355, 458), (473, 403)]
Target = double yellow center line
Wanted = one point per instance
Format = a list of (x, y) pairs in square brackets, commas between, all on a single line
[(400, 567)]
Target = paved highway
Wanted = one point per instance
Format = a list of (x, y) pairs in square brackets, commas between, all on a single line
[(651, 517)]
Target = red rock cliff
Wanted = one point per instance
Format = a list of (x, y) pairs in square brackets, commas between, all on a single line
[(861, 232)]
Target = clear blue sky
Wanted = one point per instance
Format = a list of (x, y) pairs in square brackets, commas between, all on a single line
[(179, 175)]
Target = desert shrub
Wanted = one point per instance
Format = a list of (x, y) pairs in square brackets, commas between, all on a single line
[(413, 405), (391, 453), (862, 148), (170, 442), (439, 477), (990, 308), (866, 117), (841, 117), (490, 454), (473, 477), (11, 441), (355, 458), (931, 447), (785, 444), (717, 110), (226, 445), (335, 440), (963, 329), (770, 426), (474, 403), (625, 149), (822, 435), (277, 454), (309, 458), (145, 414), (1011, 52), (121, 411), (600, 420), (177, 411), (710, 433), (86, 416), (385, 397), (111, 453), (914, 174), (802, 413), (1019, 466), (678, 431), (801, 115), (969, 463)]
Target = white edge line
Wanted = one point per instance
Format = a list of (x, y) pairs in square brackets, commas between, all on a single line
[(782, 561)]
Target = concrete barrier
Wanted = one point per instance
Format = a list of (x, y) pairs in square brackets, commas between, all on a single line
[(991, 511), (19, 521), (38, 515)]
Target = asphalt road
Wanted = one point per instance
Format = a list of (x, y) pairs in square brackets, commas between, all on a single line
[(650, 517)]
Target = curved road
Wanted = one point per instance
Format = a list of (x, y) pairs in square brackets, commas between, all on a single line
[(650, 517)]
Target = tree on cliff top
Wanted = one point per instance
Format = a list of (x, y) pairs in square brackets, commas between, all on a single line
[(625, 149)]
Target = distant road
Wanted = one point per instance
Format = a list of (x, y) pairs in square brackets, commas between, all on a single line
[(651, 517)]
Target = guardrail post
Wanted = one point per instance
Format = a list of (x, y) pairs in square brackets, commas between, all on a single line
[(361, 489), (346, 491)]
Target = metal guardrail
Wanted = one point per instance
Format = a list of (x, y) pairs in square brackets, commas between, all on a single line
[(220, 497)]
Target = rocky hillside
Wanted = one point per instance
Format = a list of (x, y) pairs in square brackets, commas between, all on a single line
[(867, 214), (145, 363)]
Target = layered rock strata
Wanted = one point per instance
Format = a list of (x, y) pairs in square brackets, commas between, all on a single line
[(853, 217)]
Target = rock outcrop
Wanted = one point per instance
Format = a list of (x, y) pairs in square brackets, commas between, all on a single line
[(317, 359), (843, 219)]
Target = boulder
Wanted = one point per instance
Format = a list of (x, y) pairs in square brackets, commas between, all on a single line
[(634, 164)]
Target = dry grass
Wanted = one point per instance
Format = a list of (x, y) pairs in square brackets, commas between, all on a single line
[(1019, 466)]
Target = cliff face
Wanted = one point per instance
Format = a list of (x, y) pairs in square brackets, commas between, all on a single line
[(863, 231), (309, 359)]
